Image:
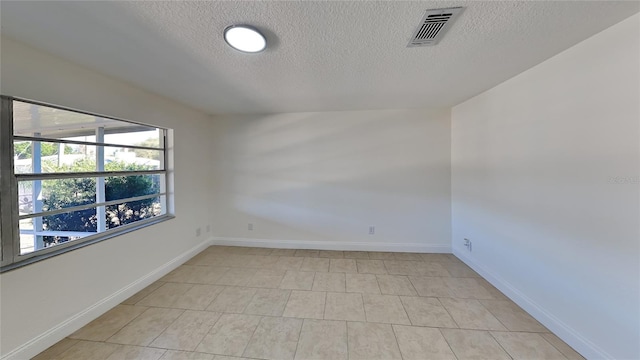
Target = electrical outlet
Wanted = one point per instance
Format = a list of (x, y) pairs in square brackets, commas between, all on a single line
[(208, 228), (470, 246), (467, 243), (372, 230), (250, 226), (198, 231)]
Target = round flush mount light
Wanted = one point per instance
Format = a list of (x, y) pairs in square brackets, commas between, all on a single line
[(245, 38)]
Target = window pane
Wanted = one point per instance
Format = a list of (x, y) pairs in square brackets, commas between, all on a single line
[(46, 231), (143, 137), (123, 159), (52, 123), (129, 212), (123, 187), (47, 195), (54, 157)]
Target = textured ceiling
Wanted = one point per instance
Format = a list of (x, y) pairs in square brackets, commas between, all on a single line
[(321, 56)]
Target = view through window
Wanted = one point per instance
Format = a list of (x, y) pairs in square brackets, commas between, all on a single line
[(76, 176)]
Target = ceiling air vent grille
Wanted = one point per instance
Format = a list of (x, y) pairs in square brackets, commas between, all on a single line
[(433, 26)]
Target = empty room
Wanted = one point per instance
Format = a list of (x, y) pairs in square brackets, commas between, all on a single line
[(338, 180)]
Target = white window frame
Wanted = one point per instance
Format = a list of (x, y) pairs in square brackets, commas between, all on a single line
[(9, 207)]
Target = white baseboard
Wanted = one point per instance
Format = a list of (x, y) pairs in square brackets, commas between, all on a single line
[(75, 322), (581, 344), (333, 245)]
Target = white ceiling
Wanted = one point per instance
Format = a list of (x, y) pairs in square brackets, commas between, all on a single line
[(321, 55)]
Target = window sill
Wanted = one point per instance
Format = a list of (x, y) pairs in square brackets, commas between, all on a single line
[(90, 240)]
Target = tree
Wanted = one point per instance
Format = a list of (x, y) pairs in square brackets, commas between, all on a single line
[(23, 149), (66, 193), (148, 154)]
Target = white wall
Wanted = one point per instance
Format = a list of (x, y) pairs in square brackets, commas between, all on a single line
[(47, 300), (319, 180), (533, 161)]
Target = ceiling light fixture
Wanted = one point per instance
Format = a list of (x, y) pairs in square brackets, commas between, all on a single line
[(245, 38)]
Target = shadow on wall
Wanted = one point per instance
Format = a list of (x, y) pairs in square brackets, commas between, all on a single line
[(332, 175)]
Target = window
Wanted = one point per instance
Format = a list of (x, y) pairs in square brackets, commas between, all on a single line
[(71, 178)]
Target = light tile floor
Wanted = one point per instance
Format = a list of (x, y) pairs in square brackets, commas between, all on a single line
[(255, 303)]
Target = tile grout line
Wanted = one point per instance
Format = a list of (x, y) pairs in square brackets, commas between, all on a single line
[(252, 335), (448, 344), (298, 342), (395, 336), (288, 268), (499, 344), (447, 310)]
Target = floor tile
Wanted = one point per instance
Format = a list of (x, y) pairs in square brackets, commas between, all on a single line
[(369, 341), (166, 295), (334, 282), (88, 350), (274, 339), (470, 314), (356, 255), (424, 311), (288, 263), (395, 285), (232, 300), (261, 261), (398, 267), (384, 309), (128, 352), (307, 253), (331, 254), (315, 264), (467, 288), (495, 293), (195, 274), (371, 267), (198, 297), (344, 306), (146, 327), (512, 316), (565, 349), (235, 303), (430, 269), (268, 302), (525, 346), (54, 351), (305, 304), (187, 331), (343, 265), (206, 259), (407, 256), (223, 357), (362, 283), (186, 355), (432, 286), (236, 277), (421, 343), (459, 269), (230, 335), (323, 340), (259, 251), (373, 255), (108, 324), (283, 252), (143, 293), (435, 257), (297, 280), (267, 279), (474, 345)]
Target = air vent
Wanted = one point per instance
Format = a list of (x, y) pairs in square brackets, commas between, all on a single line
[(433, 26)]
